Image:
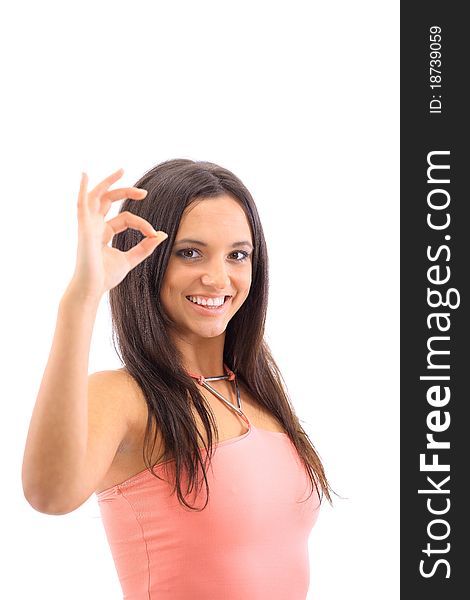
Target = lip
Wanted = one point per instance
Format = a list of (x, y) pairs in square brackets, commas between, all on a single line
[(211, 295), (211, 312)]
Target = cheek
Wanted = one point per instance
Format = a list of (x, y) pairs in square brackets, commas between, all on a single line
[(172, 280), (174, 285), (244, 286), (167, 291), (247, 280)]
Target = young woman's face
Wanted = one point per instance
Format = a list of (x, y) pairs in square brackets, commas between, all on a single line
[(215, 262)]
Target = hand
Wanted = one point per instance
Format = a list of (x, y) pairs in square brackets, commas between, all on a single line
[(100, 267)]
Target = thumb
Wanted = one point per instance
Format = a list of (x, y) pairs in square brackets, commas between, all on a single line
[(144, 248)]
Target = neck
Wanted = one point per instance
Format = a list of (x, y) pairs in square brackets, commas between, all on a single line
[(203, 356), (210, 371)]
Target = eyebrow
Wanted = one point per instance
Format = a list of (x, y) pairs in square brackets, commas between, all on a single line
[(190, 241)]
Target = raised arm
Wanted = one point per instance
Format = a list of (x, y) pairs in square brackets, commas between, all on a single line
[(73, 415)]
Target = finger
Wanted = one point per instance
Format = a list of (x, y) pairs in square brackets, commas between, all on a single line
[(119, 194), (142, 250), (82, 195), (125, 220), (104, 185)]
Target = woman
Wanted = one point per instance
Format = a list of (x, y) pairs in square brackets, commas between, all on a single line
[(188, 305)]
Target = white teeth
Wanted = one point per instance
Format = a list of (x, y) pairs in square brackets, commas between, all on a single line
[(207, 301)]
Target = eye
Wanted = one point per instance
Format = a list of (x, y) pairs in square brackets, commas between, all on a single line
[(180, 253), (244, 255)]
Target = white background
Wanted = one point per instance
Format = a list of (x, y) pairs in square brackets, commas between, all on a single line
[(300, 100)]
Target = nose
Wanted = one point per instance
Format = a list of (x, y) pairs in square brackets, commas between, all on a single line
[(216, 276)]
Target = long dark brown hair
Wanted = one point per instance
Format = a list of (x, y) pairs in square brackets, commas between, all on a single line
[(140, 329)]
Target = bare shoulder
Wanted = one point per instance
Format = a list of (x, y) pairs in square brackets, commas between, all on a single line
[(118, 418), (117, 383), (124, 392)]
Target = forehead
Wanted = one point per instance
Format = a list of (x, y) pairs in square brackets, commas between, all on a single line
[(220, 214)]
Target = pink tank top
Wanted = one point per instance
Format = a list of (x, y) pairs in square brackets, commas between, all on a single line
[(250, 541)]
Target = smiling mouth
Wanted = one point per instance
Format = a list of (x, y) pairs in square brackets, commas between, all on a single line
[(210, 307)]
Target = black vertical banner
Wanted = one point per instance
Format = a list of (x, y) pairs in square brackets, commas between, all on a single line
[(434, 303)]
